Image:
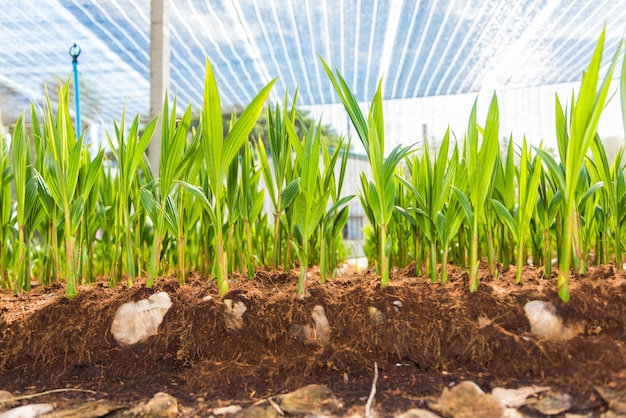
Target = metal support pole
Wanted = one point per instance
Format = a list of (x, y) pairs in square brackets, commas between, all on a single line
[(74, 53), (159, 73)]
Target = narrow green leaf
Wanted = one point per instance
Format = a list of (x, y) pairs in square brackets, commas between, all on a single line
[(351, 105), (341, 202), (507, 219), (289, 193), (465, 204), (150, 205), (242, 128), (171, 216), (76, 213), (257, 205), (197, 193), (590, 192), (554, 168), (340, 220)]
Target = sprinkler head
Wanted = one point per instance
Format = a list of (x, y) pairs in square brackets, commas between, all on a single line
[(74, 52)]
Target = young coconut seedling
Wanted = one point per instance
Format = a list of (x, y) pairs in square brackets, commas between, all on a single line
[(430, 185), (185, 209), (50, 268), (61, 170), (128, 153), (614, 191), (574, 140), (504, 188), (280, 176), (219, 152), (160, 204), (5, 209), (518, 222), (250, 203), (450, 219), (21, 161), (89, 176), (310, 203), (480, 168), (336, 216), (545, 218), (381, 188), (29, 211)]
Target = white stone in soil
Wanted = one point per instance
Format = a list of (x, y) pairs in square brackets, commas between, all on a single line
[(418, 413), (376, 316), (309, 400), (545, 323), (615, 399), (552, 403), (233, 314), (319, 333), (467, 400), (136, 321), (513, 413), (322, 326), (28, 411), (514, 398), (4, 400), (226, 410), (162, 405)]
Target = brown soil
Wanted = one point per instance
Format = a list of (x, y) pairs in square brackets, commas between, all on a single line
[(434, 337)]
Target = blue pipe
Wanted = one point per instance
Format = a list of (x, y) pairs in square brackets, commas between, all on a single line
[(74, 53)]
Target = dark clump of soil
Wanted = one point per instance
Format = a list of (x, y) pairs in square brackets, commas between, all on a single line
[(422, 336)]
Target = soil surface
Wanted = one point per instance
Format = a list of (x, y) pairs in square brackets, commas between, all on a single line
[(422, 336)]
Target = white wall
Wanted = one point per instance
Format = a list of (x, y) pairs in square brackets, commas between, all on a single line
[(527, 111)]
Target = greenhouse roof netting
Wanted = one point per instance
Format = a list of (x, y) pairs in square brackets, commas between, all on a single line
[(420, 48)]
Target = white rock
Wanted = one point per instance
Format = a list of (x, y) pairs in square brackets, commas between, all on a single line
[(514, 398), (418, 413), (319, 333), (226, 410), (162, 405), (513, 413), (28, 411), (136, 321), (309, 400), (467, 400), (615, 399), (233, 314), (322, 326), (552, 403), (545, 323), (4, 400), (376, 316)]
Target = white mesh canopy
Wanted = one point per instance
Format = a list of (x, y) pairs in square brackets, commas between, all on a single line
[(420, 48)]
